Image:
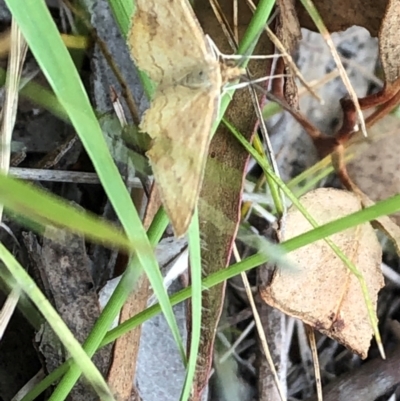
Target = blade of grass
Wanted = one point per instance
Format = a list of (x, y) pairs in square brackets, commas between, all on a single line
[(39, 95), (387, 206), (45, 208), (25, 282), (122, 10), (195, 276), (246, 46), (260, 330)]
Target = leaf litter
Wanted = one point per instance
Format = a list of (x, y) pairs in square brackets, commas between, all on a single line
[(347, 277)]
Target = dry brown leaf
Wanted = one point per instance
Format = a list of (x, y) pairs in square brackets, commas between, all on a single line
[(389, 42), (389, 45), (375, 168), (373, 171), (321, 291), (167, 42)]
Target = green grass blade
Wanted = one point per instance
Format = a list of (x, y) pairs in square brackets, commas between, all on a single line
[(247, 45), (195, 275), (26, 283), (46, 208), (387, 206), (39, 96), (122, 10)]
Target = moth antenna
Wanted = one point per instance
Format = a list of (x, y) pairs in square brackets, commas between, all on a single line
[(219, 55)]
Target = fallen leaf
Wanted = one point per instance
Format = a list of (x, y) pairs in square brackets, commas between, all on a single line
[(389, 42), (321, 291), (376, 164), (372, 173), (167, 42)]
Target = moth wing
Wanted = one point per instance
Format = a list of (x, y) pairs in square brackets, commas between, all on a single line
[(180, 121), (166, 39)]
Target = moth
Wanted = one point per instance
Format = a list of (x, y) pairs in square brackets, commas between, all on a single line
[(168, 44)]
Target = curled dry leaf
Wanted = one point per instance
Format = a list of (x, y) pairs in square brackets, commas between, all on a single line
[(320, 290)]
